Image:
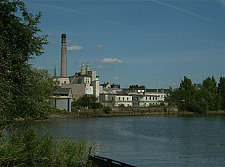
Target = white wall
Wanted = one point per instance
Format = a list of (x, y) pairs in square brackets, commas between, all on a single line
[(88, 89), (62, 80)]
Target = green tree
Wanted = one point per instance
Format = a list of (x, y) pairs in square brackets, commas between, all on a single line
[(173, 96), (19, 42), (37, 88), (198, 97), (221, 87), (187, 97), (87, 101), (137, 86), (210, 92), (187, 92)]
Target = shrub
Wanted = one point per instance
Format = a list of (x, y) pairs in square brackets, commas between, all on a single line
[(27, 148), (107, 109)]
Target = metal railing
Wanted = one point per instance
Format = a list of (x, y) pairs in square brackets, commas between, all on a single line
[(106, 162)]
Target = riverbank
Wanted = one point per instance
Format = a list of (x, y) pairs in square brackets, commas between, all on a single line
[(118, 112)]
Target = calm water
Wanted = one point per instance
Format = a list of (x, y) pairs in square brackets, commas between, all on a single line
[(151, 141)]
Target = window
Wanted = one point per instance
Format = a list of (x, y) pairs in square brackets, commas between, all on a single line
[(127, 98), (123, 98), (64, 82), (146, 98), (119, 98)]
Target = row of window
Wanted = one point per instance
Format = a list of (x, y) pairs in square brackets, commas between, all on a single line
[(120, 98), (137, 104), (137, 98), (151, 98)]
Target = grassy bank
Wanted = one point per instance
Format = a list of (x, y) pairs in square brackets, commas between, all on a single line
[(24, 147), (88, 113)]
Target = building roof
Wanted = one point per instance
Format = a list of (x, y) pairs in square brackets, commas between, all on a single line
[(62, 91), (111, 90), (157, 90), (147, 90)]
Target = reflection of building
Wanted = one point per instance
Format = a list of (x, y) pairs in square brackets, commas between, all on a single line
[(132, 97)]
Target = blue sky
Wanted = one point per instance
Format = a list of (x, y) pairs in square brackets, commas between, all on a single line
[(153, 43)]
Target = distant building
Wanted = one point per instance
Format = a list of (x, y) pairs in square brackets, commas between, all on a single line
[(86, 82), (62, 98), (82, 83), (132, 97), (159, 93), (107, 85)]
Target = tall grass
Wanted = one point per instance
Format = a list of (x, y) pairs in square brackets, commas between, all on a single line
[(27, 148)]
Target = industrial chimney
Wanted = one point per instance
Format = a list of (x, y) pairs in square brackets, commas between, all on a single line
[(63, 56)]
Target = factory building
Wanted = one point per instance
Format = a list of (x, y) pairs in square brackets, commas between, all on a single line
[(62, 98), (132, 97), (82, 83), (86, 82)]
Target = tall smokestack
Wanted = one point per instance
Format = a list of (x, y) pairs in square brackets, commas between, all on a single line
[(63, 56)]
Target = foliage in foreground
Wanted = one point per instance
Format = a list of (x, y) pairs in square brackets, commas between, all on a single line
[(207, 96), (23, 94), (22, 88), (26, 148)]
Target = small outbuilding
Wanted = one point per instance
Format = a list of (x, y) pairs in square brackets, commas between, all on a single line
[(62, 98)]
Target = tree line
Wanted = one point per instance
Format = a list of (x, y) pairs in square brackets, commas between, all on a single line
[(137, 86), (23, 89), (23, 94), (206, 96)]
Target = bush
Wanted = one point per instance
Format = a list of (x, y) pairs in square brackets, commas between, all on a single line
[(87, 101), (107, 109), (26, 148)]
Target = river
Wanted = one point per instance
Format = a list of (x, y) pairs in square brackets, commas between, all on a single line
[(150, 141)]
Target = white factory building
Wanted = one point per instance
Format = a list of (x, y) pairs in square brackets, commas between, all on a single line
[(132, 97), (82, 83)]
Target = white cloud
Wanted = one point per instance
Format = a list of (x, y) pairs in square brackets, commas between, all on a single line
[(52, 41), (116, 78), (173, 84), (68, 41), (75, 47), (99, 67), (99, 46), (111, 61)]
